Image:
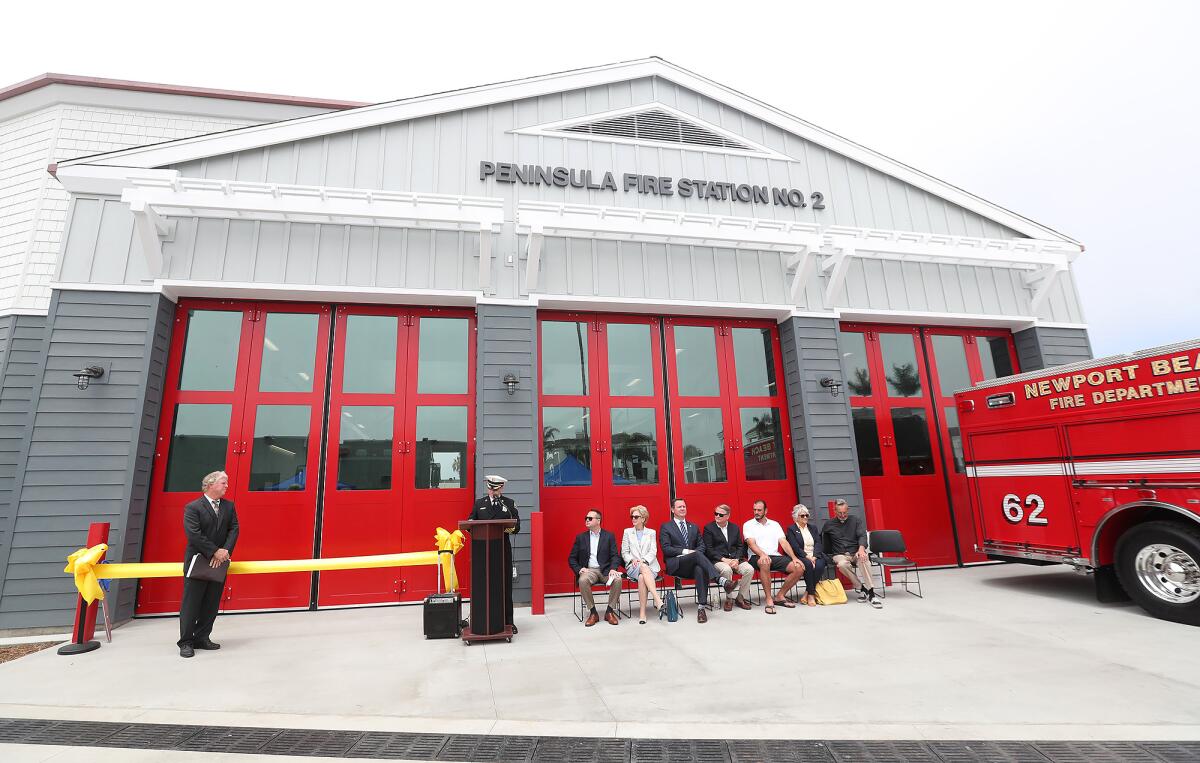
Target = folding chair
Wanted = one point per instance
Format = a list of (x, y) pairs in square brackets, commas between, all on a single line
[(672, 583), (880, 542), (599, 589)]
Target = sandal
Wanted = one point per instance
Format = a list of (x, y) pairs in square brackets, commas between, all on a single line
[(787, 604), (770, 610)]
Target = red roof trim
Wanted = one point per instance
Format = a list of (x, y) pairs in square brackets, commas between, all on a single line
[(151, 87)]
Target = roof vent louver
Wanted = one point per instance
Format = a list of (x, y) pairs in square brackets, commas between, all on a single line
[(657, 126)]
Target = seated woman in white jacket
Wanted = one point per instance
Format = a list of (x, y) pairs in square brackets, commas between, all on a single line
[(640, 549)]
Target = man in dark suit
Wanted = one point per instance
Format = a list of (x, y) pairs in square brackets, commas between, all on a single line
[(211, 526), (494, 505), (683, 550), (725, 548), (594, 557)]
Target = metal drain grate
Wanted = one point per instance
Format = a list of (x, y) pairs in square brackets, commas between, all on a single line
[(882, 752), (779, 751), (75, 733), (986, 752), (385, 746), (229, 739), (380, 745), (678, 750), (488, 748), (1174, 752), (581, 750), (149, 736), (1095, 752), (18, 729), (329, 744)]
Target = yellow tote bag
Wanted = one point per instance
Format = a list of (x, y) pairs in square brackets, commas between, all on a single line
[(830, 592)]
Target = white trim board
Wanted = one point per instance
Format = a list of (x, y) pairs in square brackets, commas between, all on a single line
[(303, 128)]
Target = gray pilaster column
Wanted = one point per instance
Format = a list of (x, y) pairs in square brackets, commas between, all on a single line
[(88, 453), (822, 430), (506, 425), (1044, 347)]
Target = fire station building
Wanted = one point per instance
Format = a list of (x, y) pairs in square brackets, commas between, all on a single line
[(612, 286)]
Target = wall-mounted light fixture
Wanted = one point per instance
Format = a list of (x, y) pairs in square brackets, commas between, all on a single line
[(84, 376), (833, 385), (510, 382)]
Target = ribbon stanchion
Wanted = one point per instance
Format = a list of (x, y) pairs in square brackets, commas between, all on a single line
[(85, 607)]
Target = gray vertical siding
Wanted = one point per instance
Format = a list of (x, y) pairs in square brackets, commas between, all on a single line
[(86, 456), (822, 433), (1044, 347), (506, 425), (22, 353), (440, 153)]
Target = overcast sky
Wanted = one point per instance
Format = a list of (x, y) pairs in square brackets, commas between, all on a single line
[(1081, 116)]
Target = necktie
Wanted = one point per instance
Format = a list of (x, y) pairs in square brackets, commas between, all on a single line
[(216, 506), (683, 532)]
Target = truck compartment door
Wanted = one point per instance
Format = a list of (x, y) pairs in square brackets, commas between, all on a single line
[(1022, 492)]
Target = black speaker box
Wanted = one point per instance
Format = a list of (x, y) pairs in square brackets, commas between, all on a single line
[(443, 614)]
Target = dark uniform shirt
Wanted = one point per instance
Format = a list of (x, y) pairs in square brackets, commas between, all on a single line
[(845, 537)]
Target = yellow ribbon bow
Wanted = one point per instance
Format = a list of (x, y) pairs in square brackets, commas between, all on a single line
[(451, 542), (83, 564)]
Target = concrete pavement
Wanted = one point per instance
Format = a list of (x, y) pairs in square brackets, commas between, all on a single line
[(993, 652)]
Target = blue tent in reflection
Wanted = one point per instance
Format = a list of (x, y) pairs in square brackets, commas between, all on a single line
[(573, 472), (569, 471)]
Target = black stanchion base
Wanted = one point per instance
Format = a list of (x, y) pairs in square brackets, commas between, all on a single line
[(74, 648)]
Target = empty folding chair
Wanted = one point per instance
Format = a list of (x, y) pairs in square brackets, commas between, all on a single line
[(881, 542)]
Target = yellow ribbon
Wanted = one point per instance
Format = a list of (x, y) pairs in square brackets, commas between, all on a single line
[(452, 542), (85, 565)]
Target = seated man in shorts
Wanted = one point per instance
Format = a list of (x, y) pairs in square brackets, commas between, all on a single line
[(769, 554)]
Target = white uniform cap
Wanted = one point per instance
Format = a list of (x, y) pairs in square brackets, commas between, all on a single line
[(494, 481)]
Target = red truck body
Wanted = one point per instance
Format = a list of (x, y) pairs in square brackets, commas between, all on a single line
[(1096, 465)]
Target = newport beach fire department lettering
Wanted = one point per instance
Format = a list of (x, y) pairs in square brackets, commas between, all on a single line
[(657, 185), (1115, 385)]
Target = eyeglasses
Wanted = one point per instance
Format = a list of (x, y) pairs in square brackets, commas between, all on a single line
[(802, 515), (719, 514), (590, 519)]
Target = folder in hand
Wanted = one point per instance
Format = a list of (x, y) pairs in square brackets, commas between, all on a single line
[(200, 569)]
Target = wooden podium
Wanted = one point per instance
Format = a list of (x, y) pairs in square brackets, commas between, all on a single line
[(490, 569)]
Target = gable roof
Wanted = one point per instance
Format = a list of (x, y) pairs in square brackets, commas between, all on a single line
[(44, 80), (302, 128)]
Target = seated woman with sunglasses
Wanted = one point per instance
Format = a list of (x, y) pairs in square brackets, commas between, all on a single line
[(806, 541), (639, 547)]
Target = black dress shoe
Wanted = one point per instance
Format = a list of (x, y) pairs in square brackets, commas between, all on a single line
[(187, 651), (209, 645)]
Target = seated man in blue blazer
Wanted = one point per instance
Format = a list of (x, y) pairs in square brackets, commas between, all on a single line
[(595, 557), (684, 552)]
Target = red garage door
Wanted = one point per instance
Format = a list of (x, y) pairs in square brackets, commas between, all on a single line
[(248, 393)]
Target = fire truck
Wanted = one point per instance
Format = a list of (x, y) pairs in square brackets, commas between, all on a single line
[(1094, 465)]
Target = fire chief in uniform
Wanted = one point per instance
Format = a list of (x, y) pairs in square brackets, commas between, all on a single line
[(494, 505)]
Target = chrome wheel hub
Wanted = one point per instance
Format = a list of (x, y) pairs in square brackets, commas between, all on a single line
[(1168, 572)]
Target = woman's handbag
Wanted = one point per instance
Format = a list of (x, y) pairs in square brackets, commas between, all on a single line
[(672, 606), (830, 592)]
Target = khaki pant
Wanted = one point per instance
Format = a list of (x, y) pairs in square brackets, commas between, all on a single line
[(845, 564), (745, 569), (590, 576)]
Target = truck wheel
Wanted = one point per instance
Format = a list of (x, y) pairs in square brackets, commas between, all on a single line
[(1159, 566)]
